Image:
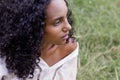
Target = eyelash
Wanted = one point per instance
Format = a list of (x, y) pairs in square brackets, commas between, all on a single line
[(57, 22)]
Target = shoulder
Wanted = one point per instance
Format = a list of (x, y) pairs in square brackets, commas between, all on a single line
[(3, 69), (69, 47)]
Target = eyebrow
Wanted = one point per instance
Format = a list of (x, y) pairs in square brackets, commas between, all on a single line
[(58, 18)]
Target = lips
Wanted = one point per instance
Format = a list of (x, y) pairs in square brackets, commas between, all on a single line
[(65, 37)]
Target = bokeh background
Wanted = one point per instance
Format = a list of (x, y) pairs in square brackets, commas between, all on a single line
[(97, 25)]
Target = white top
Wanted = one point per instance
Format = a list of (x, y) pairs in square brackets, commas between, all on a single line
[(65, 69)]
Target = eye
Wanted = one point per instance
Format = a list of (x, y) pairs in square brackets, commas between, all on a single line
[(58, 21)]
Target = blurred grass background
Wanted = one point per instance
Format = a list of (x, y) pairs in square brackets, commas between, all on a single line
[(97, 25)]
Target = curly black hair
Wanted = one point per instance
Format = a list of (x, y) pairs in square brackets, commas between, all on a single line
[(21, 31)]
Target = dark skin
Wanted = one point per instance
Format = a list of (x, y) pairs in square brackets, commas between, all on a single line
[(55, 46), (54, 54)]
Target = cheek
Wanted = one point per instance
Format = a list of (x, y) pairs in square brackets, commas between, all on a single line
[(50, 34)]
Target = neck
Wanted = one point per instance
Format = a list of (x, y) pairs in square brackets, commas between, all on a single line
[(48, 49)]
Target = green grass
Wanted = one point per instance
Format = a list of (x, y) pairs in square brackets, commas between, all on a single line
[(97, 25)]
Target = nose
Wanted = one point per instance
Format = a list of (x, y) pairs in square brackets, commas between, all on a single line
[(67, 27)]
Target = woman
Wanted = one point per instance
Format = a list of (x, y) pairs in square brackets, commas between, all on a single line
[(36, 40)]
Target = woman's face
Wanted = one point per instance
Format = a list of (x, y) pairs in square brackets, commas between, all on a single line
[(57, 27)]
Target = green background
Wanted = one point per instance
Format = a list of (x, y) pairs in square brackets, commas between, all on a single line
[(97, 25)]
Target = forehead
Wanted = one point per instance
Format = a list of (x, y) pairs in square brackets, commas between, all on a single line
[(55, 8)]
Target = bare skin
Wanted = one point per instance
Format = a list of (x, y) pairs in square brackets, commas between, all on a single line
[(53, 54), (57, 28)]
